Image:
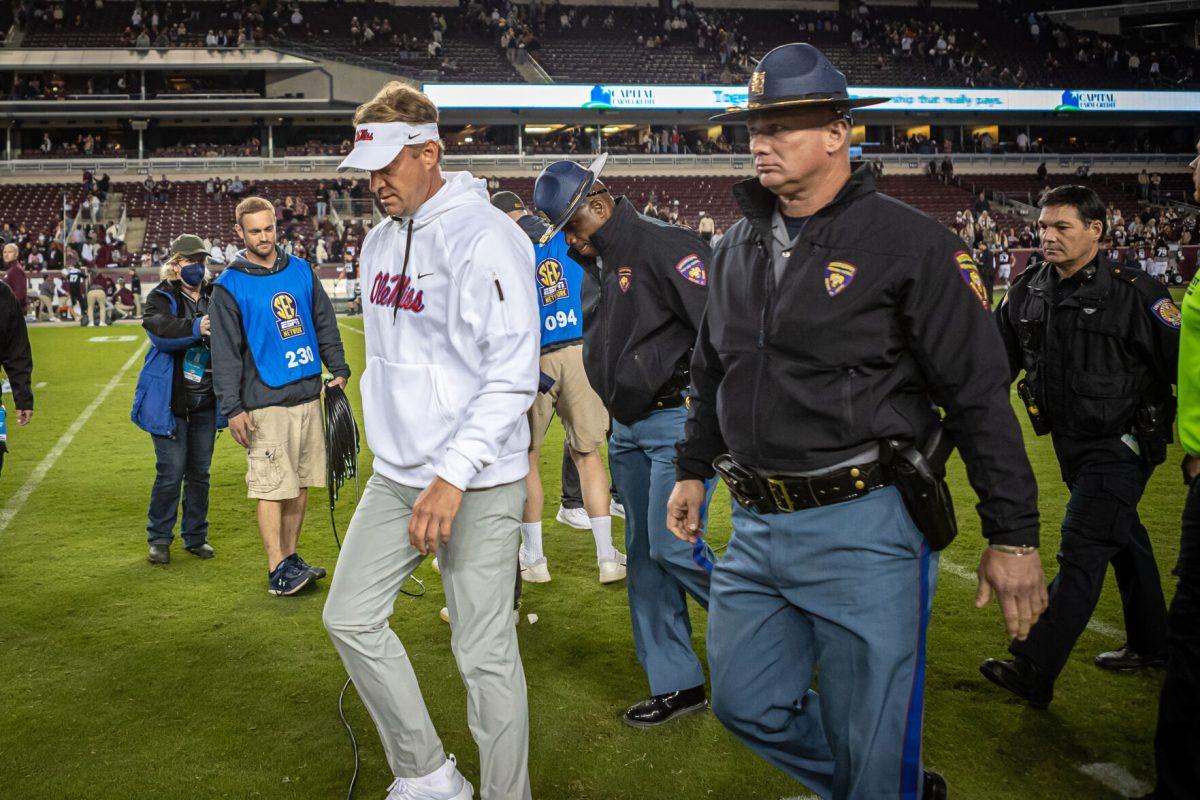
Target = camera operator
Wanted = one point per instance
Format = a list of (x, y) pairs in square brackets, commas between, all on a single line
[(174, 400)]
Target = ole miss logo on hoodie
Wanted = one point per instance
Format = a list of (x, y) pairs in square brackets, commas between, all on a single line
[(395, 291)]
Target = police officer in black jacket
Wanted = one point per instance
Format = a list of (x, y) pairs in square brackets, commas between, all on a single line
[(837, 318), (1099, 344), (637, 346)]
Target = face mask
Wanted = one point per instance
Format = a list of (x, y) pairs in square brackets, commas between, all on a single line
[(192, 274)]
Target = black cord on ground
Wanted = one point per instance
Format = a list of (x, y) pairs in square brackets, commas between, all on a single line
[(350, 733)]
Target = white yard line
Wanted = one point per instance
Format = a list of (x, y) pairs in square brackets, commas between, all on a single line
[(344, 326), (1117, 778), (1094, 625), (22, 494)]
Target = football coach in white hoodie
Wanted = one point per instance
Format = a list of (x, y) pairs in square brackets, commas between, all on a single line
[(452, 335)]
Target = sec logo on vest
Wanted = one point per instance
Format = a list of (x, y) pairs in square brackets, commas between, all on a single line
[(284, 307), (553, 284)]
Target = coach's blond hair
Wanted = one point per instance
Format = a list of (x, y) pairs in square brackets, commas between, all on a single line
[(399, 102)]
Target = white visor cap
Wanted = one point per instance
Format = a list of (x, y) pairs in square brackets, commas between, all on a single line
[(376, 144)]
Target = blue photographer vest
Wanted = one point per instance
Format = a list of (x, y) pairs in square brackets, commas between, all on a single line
[(559, 281), (277, 317)]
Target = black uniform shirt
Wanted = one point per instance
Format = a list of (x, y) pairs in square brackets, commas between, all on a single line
[(1094, 347), (879, 315), (653, 285)]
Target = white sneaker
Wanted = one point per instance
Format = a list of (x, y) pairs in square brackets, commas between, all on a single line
[(534, 571), (446, 783), (436, 568), (616, 509), (574, 517), (612, 571)]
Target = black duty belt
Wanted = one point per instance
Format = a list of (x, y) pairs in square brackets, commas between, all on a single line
[(763, 493)]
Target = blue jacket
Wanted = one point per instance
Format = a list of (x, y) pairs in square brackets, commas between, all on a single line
[(155, 386)]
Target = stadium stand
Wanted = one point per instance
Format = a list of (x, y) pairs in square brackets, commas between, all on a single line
[(993, 45)]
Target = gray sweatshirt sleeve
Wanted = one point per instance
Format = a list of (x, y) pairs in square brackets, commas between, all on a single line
[(329, 340), (227, 345)]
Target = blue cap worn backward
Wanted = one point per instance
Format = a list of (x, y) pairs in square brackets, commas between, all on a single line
[(796, 76), (561, 189)]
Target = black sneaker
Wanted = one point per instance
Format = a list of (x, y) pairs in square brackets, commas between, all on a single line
[(1127, 660), (318, 572), (665, 707), (288, 579)]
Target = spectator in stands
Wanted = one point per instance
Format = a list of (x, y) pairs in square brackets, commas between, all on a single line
[(1042, 172), (1155, 188), (164, 190), (236, 188), (177, 405), (706, 227), (1143, 180), (47, 146)]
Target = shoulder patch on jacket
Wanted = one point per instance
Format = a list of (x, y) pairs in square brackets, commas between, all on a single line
[(1166, 312), (970, 275), (692, 268)]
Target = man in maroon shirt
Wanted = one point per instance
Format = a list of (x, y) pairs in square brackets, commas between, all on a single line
[(14, 275)]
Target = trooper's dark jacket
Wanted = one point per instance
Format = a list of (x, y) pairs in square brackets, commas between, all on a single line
[(1095, 348), (879, 316), (653, 279)]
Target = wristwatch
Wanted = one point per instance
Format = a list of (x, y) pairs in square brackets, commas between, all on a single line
[(1014, 549)]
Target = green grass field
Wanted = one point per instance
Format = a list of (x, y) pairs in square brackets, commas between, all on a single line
[(122, 680)]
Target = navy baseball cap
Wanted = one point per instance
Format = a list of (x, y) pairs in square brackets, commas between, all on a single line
[(561, 189), (796, 76)]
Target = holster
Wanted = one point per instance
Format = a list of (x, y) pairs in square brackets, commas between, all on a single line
[(920, 475), (1152, 425)]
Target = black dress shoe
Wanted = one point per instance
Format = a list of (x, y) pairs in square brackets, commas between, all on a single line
[(159, 554), (1020, 677), (202, 550), (935, 787), (665, 707), (1126, 659)]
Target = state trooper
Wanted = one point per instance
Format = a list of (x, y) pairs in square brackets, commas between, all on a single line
[(1098, 343), (837, 318), (637, 345)]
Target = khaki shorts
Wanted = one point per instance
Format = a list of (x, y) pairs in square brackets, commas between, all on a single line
[(582, 411), (287, 451)]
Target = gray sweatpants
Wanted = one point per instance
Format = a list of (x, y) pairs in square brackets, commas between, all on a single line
[(477, 567)]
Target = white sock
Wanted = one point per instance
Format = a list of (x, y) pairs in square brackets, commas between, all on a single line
[(531, 540), (602, 533)]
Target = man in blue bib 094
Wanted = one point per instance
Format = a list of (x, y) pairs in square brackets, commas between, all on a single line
[(272, 327)]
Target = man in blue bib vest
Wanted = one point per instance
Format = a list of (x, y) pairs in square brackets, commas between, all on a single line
[(272, 327), (558, 281)]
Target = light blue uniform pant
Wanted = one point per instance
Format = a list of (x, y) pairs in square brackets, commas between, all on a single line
[(847, 589), (660, 570)]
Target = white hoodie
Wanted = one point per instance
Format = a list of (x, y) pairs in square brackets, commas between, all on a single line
[(452, 348)]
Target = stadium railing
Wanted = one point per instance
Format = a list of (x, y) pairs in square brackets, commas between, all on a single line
[(304, 164)]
